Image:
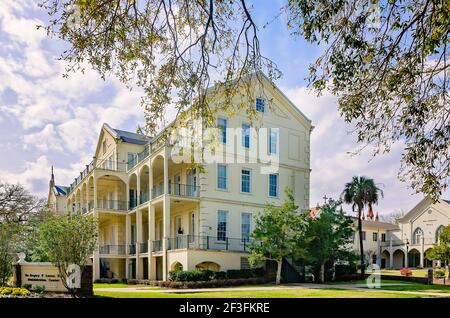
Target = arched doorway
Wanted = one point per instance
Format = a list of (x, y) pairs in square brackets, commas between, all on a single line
[(399, 258), (413, 258), (385, 259), (427, 262)]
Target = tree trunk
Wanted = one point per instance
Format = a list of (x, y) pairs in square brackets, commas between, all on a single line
[(361, 248), (322, 273), (279, 264)]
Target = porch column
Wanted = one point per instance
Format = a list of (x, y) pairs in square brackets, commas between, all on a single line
[(378, 249), (391, 256), (151, 238), (422, 251), (96, 258), (139, 261), (138, 187), (127, 245), (406, 258), (87, 195), (166, 213)]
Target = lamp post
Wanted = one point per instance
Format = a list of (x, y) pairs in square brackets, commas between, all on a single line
[(407, 250)]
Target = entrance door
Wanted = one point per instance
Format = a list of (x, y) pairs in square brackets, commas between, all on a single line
[(145, 264), (383, 263)]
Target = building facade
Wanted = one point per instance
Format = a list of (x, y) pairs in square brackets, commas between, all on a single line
[(157, 214), (406, 243)]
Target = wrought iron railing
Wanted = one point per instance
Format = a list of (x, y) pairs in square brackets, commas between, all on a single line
[(132, 249), (209, 243), (144, 197), (184, 190), (143, 247), (157, 246), (157, 191), (113, 205), (112, 249)]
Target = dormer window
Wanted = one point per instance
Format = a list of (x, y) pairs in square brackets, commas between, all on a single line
[(260, 105)]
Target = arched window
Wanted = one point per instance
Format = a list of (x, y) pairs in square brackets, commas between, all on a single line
[(439, 232), (417, 236)]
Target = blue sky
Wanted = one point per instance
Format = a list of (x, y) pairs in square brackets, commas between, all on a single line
[(49, 120)]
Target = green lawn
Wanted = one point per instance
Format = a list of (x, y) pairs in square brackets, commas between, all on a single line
[(415, 272), (420, 288), (282, 293), (124, 286)]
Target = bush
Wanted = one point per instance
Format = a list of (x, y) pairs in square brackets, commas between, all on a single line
[(439, 273), (27, 286), (39, 289), (406, 272), (344, 270), (6, 290), (220, 275), (190, 276), (239, 273), (115, 281)]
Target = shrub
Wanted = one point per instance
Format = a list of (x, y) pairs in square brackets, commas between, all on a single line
[(39, 289), (114, 281), (220, 275), (406, 272), (239, 273), (27, 286), (439, 273), (6, 290), (344, 270)]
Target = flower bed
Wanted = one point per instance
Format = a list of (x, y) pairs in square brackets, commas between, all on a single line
[(15, 292)]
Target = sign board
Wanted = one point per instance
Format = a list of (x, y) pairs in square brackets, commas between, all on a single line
[(42, 274)]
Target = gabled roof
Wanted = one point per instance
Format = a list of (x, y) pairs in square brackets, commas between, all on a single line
[(61, 190)]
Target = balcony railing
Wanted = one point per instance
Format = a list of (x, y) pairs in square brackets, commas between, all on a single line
[(184, 190), (112, 249), (139, 158), (144, 197), (157, 191), (104, 164), (132, 249), (157, 246), (113, 205), (143, 247), (209, 243)]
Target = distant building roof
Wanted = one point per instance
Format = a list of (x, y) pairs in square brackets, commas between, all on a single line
[(378, 224), (61, 190), (448, 201)]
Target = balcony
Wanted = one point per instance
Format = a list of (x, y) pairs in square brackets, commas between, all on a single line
[(144, 197), (157, 246), (112, 205), (139, 158), (182, 190), (143, 247), (112, 249), (209, 243), (101, 164), (132, 249)]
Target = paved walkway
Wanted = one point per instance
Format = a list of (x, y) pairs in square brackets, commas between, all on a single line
[(358, 287)]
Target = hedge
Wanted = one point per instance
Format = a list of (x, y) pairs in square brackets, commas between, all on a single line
[(201, 284)]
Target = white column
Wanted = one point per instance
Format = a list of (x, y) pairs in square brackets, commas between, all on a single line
[(391, 256), (422, 250), (139, 261), (151, 238), (96, 258), (379, 249), (127, 245), (166, 213)]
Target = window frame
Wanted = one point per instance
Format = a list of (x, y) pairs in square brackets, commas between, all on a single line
[(277, 187), (249, 181), (218, 176), (218, 226), (250, 217), (263, 105), (223, 133), (246, 136), (269, 148)]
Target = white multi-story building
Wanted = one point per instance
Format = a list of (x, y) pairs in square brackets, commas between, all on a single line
[(157, 214)]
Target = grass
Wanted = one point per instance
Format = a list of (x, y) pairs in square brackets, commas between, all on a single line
[(123, 286), (361, 282), (282, 293), (420, 288), (415, 272)]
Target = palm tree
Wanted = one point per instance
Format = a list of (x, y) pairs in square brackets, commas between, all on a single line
[(361, 192)]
